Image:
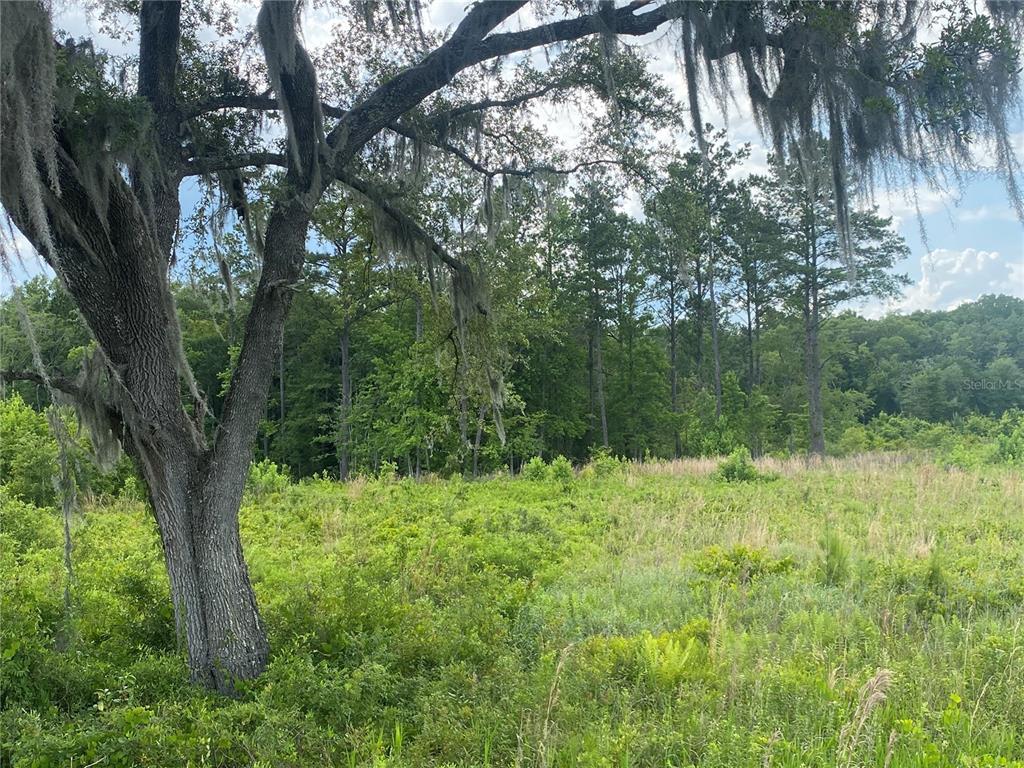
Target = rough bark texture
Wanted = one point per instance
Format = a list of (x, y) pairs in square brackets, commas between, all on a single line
[(674, 365)]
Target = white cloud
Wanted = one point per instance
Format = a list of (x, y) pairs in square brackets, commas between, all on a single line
[(908, 203), (21, 260), (986, 213), (950, 278)]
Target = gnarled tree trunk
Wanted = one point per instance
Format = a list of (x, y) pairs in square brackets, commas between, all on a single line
[(215, 607)]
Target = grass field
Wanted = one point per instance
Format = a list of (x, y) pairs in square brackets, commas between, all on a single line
[(865, 612)]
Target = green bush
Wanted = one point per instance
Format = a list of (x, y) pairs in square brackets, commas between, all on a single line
[(740, 563), (535, 469), (738, 468), (834, 562), (265, 478), (28, 452), (603, 464), (561, 471)]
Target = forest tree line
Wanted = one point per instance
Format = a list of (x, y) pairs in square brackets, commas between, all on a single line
[(721, 318)]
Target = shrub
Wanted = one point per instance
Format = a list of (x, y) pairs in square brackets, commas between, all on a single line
[(28, 452), (388, 472), (1010, 441), (535, 469), (834, 563), (738, 468), (266, 477), (740, 563), (561, 470), (603, 463)]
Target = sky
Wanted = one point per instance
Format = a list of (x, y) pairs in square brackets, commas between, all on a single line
[(963, 243)]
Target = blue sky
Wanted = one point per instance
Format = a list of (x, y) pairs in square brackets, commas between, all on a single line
[(975, 243)]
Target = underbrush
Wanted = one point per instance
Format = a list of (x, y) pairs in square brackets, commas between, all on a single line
[(594, 618)]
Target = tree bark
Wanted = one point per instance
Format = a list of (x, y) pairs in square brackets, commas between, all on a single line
[(698, 319), (599, 383), (816, 418), (479, 438), (717, 359), (750, 341), (345, 426), (674, 367)]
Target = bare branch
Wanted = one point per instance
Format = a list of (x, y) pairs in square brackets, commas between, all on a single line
[(200, 165), (258, 102), (485, 104), (60, 383), (461, 154)]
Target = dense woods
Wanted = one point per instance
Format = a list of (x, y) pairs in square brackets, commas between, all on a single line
[(372, 380)]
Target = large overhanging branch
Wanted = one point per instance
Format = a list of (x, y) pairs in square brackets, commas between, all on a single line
[(60, 383), (403, 129), (203, 165), (380, 201), (472, 43), (408, 88), (252, 101), (79, 396)]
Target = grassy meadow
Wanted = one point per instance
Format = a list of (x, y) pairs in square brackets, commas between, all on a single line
[(863, 612)]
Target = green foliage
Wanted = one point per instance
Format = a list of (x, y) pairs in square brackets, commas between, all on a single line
[(265, 478), (738, 468), (602, 463), (834, 561), (28, 452), (561, 471), (648, 617), (535, 469), (740, 564)]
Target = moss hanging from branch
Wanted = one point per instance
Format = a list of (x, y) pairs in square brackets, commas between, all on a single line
[(292, 78), (854, 72), (27, 98)]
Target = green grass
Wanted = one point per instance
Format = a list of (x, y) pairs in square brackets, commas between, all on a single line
[(860, 613)]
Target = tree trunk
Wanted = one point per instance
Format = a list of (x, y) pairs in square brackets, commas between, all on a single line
[(750, 342), (280, 390), (599, 384), (674, 370), (215, 608), (479, 438), (698, 333), (714, 348), (344, 425), (812, 354), (812, 365)]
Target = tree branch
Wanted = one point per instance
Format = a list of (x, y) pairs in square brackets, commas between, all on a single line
[(60, 383), (444, 116), (378, 199), (410, 133), (409, 87), (200, 165), (159, 35), (258, 102)]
